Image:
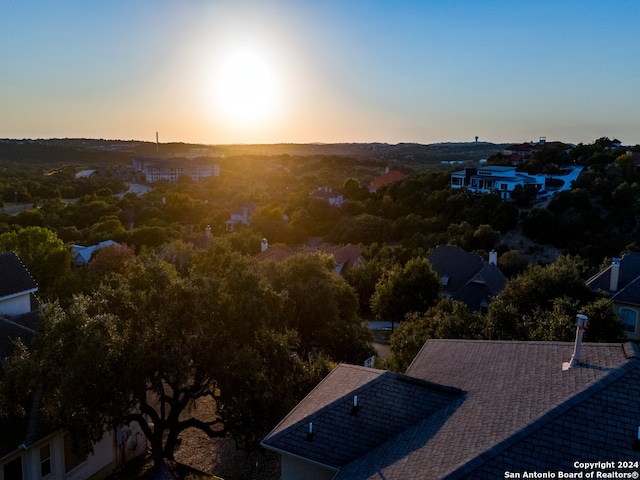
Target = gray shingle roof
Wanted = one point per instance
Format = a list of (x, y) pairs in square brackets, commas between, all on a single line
[(471, 279), (342, 432), (517, 409), (628, 286), (14, 277)]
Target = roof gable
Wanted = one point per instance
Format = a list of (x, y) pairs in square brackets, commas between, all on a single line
[(342, 431), (14, 276), (629, 271), (467, 277), (504, 397)]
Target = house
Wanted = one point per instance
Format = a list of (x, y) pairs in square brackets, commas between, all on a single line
[(469, 409), (241, 215), (621, 280), (519, 152), (467, 277), (17, 287), (170, 169), (29, 449), (346, 257), (80, 255), (328, 195), (389, 176), (495, 179)]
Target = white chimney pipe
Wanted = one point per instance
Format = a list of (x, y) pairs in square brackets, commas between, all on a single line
[(264, 245), (493, 258), (615, 275), (581, 323)]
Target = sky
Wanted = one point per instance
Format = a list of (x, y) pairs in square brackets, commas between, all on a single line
[(284, 71)]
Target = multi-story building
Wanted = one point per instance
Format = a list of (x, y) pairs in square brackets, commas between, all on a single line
[(170, 169), (495, 179)]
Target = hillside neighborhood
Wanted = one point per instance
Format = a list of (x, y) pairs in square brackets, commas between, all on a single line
[(358, 312)]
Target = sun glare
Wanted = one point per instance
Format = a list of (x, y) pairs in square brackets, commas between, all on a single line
[(246, 86)]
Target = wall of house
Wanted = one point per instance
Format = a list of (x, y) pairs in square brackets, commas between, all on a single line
[(293, 468), (111, 452), (16, 305), (619, 306)]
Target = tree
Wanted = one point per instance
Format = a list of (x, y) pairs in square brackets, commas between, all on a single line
[(321, 307), (147, 345), (42, 252), (542, 303), (413, 287), (448, 319)]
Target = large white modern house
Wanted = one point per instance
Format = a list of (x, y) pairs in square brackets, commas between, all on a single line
[(495, 178)]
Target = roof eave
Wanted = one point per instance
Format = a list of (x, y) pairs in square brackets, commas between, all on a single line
[(18, 294), (284, 452)]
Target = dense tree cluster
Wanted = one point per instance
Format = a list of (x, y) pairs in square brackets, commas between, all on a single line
[(150, 341), (173, 316)]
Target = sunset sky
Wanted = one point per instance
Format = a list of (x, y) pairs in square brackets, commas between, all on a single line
[(234, 71)]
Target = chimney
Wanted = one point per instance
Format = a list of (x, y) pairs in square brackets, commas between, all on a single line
[(581, 323), (264, 245), (386, 170), (615, 274), (493, 258), (207, 231)]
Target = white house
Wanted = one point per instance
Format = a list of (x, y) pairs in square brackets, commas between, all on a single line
[(29, 450), (52, 457), (495, 179), (328, 195), (17, 286)]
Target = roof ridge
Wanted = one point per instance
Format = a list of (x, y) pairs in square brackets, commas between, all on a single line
[(317, 387), (427, 384), (15, 324), (577, 398)]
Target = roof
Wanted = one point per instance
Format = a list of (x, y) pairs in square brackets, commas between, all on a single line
[(389, 177), (342, 431), (14, 276), (325, 193), (20, 327), (505, 406), (469, 278), (81, 255), (628, 281)]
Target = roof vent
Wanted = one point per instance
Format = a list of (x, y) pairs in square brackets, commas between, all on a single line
[(355, 408), (310, 433), (581, 323)]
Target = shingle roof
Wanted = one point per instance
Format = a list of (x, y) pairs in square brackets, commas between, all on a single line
[(342, 432), (518, 410), (471, 279), (628, 281), (16, 328), (14, 276), (389, 177)]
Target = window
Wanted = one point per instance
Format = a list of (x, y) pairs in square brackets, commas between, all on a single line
[(45, 460), (13, 469), (629, 319)]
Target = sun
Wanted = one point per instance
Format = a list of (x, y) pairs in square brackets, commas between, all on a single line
[(246, 86)]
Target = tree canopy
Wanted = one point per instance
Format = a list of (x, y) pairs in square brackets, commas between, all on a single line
[(149, 342)]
